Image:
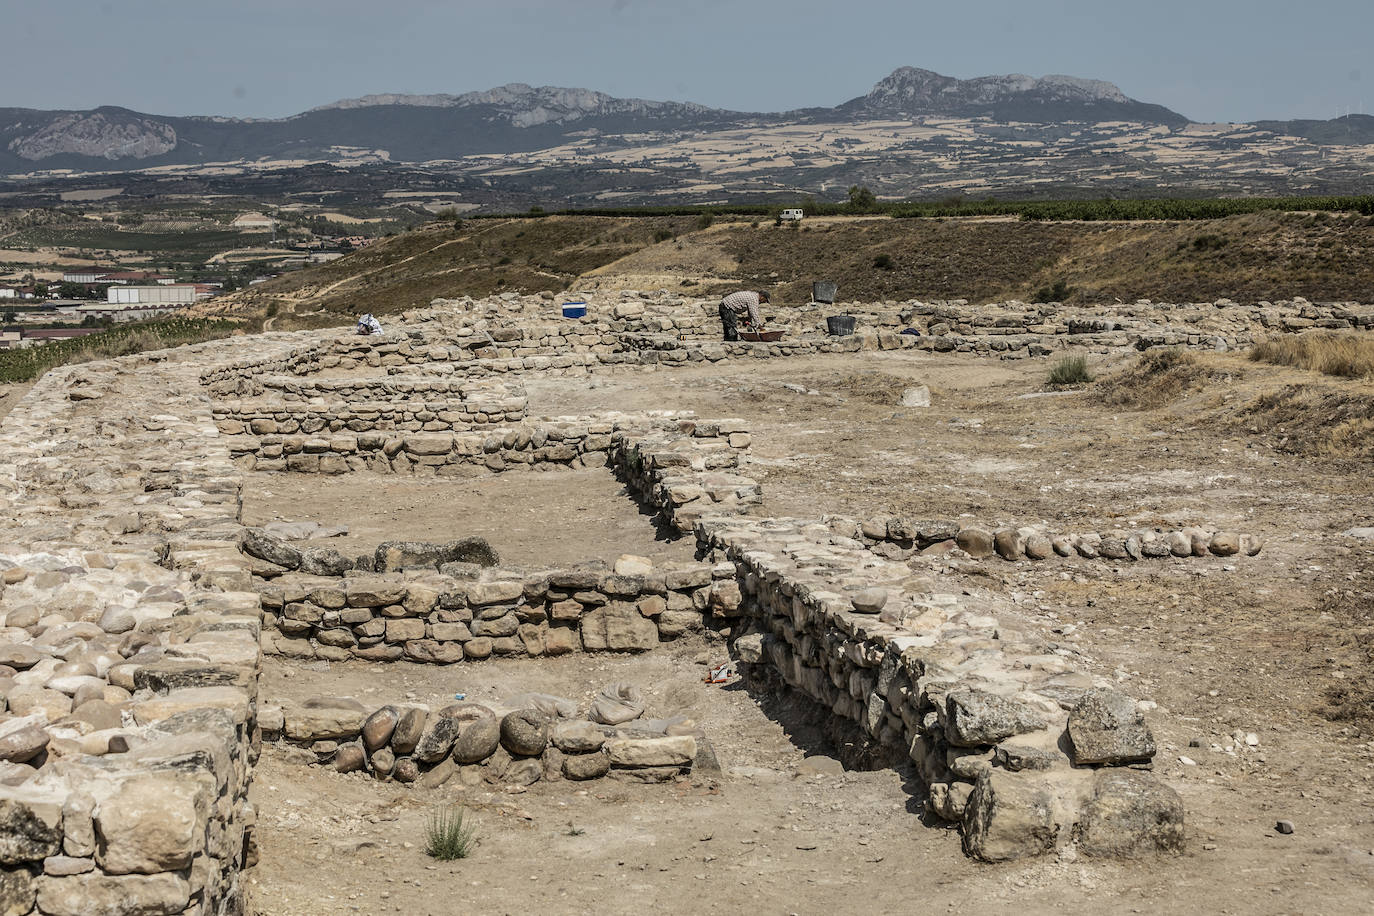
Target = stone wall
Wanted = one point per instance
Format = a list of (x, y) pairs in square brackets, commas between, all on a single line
[(265, 418), (1023, 752), (902, 538), (131, 656), (475, 743), (541, 444), (434, 617), (498, 397)]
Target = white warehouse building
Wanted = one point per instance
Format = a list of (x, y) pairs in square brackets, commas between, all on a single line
[(174, 294)]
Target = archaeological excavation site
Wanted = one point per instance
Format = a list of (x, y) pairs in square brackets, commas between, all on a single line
[(879, 621)]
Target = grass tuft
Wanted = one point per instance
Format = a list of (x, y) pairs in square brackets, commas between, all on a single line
[(1071, 370), (1342, 355), (447, 836)]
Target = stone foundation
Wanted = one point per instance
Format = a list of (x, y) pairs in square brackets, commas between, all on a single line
[(473, 744)]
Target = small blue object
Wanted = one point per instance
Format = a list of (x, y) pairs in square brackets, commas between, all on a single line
[(574, 309), (460, 696)]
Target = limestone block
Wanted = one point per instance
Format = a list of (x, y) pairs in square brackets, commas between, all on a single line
[(976, 717), (561, 640), (315, 723), (152, 824), (678, 751), (1130, 813), (17, 889), (577, 736), (403, 629), (1105, 728), (102, 895), (618, 626), (30, 824), (1010, 816)]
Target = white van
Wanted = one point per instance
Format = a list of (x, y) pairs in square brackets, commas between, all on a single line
[(794, 214)]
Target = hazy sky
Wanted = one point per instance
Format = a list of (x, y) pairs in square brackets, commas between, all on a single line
[(1212, 60)]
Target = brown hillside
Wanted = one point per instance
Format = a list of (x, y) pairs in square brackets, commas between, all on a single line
[(1246, 258)]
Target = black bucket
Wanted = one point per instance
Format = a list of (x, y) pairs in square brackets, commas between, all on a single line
[(823, 291), (840, 325)]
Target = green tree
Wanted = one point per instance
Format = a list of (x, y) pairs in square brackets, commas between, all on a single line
[(11, 316), (861, 198)]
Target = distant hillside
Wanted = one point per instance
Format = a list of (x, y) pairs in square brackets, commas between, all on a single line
[(1343, 131), (1323, 257), (512, 118)]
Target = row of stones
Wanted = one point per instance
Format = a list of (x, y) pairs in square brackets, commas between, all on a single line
[(1015, 746), (439, 618), (586, 445), (266, 418), (901, 538), (130, 685), (476, 744), (409, 388)]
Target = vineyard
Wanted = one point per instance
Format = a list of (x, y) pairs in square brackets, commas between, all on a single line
[(28, 364)]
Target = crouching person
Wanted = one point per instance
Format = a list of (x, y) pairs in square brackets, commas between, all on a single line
[(741, 306)]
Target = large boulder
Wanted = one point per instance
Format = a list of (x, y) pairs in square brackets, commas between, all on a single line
[(477, 741), (409, 727), (1105, 728), (586, 766), (394, 555), (577, 737), (977, 717), (525, 732), (978, 543), (440, 733), (1130, 813), (324, 561), (257, 543), (1010, 816), (378, 727)]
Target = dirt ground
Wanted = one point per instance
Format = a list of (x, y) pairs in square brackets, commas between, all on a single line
[(536, 519), (1257, 645)]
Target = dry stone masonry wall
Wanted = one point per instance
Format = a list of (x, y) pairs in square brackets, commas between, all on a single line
[(535, 737), (902, 538), (131, 647)]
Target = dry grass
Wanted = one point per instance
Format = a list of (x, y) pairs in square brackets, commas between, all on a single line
[(1343, 355), (1159, 377), (1351, 605), (1331, 421)]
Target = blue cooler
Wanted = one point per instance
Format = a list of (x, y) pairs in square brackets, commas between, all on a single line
[(574, 310)]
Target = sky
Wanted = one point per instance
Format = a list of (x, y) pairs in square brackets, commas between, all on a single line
[(1212, 60)]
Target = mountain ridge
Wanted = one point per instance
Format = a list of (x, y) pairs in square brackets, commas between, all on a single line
[(515, 117)]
